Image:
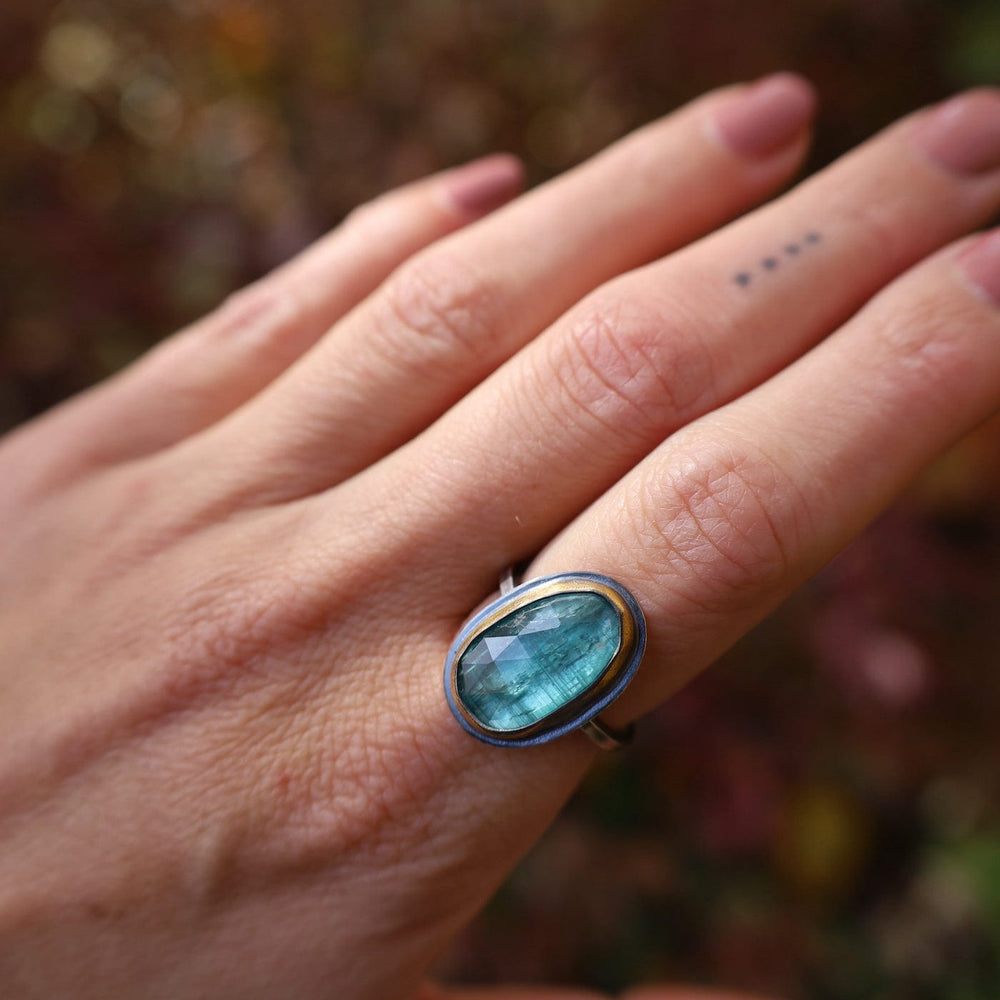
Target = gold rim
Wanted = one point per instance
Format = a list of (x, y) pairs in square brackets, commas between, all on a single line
[(530, 594)]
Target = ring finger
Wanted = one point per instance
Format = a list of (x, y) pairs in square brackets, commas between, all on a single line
[(725, 519)]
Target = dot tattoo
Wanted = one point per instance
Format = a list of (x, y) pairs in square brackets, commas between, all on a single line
[(771, 263)]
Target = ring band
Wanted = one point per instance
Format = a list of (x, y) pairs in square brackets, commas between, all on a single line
[(607, 738), (545, 658)]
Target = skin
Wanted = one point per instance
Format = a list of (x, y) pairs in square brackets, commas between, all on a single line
[(230, 575)]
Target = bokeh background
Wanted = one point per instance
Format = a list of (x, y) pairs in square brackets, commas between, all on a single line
[(818, 815)]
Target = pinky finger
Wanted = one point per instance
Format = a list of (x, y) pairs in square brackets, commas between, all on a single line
[(203, 373)]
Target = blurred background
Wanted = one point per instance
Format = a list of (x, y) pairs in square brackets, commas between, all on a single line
[(818, 815)]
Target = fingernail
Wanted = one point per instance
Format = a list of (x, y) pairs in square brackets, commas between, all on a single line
[(963, 134), (481, 186), (981, 262), (767, 115)]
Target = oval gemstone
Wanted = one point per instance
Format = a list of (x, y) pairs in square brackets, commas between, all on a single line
[(537, 659)]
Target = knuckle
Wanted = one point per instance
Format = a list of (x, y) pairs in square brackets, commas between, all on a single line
[(225, 629), (232, 623), (632, 367), (727, 518), (924, 344), (244, 306), (877, 229), (436, 305), (260, 316)]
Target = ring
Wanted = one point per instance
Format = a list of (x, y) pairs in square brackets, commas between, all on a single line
[(544, 659)]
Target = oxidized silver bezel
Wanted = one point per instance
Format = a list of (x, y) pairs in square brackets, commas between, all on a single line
[(589, 703)]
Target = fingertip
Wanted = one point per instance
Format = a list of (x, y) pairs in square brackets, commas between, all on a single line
[(766, 117), (484, 185), (962, 134), (980, 262)]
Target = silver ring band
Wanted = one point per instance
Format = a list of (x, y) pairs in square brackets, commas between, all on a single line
[(607, 738)]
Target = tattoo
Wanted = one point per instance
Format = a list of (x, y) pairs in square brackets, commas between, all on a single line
[(771, 263)]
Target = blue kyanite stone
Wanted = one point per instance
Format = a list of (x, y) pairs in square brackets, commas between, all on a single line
[(537, 659)]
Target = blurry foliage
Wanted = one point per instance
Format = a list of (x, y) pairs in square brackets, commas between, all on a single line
[(817, 816)]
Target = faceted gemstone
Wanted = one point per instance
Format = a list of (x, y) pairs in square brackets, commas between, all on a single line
[(537, 659)]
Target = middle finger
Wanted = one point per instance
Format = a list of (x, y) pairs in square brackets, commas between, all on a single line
[(655, 349)]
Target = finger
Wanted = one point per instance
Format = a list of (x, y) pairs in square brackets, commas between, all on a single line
[(196, 377), (658, 348), (725, 519), (449, 316)]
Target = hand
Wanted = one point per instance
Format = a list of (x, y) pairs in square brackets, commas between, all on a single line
[(231, 574)]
